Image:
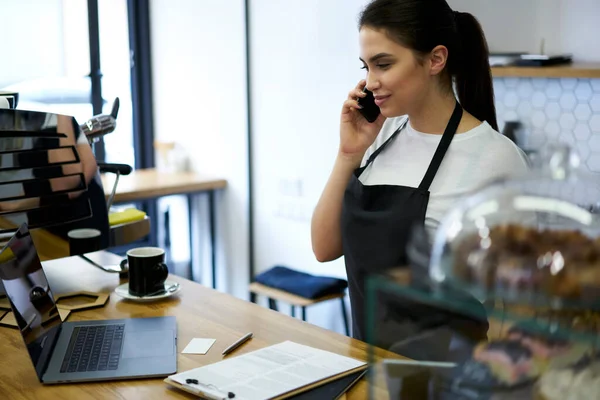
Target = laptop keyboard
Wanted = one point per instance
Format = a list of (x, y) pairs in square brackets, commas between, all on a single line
[(94, 348)]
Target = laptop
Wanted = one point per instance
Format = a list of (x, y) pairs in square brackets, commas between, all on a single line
[(84, 350)]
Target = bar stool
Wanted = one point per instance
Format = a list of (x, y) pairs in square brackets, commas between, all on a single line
[(294, 300)]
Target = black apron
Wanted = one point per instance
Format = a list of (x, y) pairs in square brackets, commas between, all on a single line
[(376, 224)]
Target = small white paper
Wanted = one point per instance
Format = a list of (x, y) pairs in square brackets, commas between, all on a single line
[(198, 346)]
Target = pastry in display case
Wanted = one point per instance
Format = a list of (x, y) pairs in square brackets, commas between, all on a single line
[(517, 366), (531, 239), (527, 249), (580, 381)]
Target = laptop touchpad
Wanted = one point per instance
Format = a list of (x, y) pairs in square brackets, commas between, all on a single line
[(148, 344)]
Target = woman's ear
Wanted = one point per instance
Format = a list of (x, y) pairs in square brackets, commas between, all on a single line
[(438, 58)]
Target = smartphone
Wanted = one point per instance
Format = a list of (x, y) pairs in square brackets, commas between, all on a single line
[(369, 109)]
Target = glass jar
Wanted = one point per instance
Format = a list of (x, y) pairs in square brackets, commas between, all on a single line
[(531, 239)]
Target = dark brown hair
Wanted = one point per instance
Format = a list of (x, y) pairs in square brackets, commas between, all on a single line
[(421, 25)]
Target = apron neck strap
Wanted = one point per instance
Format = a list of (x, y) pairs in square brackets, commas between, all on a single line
[(440, 152), (380, 148)]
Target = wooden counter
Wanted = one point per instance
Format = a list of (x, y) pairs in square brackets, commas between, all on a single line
[(201, 312)]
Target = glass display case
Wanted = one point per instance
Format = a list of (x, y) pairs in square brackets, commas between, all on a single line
[(503, 302)]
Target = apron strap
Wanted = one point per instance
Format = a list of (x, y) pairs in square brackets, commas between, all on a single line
[(380, 148), (440, 152)]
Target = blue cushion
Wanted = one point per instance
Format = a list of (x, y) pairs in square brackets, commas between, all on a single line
[(301, 283)]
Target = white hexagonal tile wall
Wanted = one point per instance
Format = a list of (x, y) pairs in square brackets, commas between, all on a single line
[(536, 139), (511, 99), (538, 100), (510, 115), (499, 108), (568, 83), (539, 83), (567, 121), (552, 129), (524, 110), (552, 110), (582, 131), (595, 102), (538, 119), (583, 150), (583, 112), (568, 101), (594, 162), (594, 143), (511, 82), (525, 89), (595, 123), (499, 88), (583, 91), (568, 138), (553, 90)]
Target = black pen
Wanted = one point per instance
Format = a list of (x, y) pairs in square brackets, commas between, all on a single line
[(238, 343)]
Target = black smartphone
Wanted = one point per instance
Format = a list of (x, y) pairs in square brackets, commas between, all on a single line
[(369, 109)]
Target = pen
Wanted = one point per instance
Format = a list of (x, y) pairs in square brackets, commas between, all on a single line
[(238, 343)]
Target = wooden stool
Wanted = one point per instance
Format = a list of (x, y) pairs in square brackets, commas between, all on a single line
[(297, 301)]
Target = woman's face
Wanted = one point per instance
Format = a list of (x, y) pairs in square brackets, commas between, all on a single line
[(394, 75)]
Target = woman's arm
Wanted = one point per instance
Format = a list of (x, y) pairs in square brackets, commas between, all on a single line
[(326, 233), (356, 135)]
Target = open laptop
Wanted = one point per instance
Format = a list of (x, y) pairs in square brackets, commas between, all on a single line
[(83, 350)]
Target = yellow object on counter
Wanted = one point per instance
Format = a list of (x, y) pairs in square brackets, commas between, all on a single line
[(125, 216)]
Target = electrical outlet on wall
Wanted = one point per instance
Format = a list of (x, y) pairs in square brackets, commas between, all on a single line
[(293, 210), (291, 187)]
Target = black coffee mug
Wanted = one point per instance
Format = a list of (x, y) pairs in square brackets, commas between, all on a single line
[(147, 271), (85, 240)]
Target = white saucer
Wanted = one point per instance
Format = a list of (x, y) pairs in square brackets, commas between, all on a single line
[(123, 291)]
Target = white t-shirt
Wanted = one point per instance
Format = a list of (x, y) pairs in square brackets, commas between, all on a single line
[(473, 159)]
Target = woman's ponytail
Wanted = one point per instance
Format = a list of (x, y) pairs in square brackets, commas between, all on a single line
[(473, 77), (423, 24)]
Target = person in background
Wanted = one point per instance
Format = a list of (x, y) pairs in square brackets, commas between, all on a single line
[(24, 120), (435, 141)]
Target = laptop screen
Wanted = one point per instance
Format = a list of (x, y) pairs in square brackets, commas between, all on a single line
[(30, 297)]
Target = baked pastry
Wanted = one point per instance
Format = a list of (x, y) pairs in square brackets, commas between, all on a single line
[(510, 362), (524, 260), (549, 351), (580, 381), (476, 380)]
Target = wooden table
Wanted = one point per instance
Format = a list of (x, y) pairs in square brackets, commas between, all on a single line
[(144, 184), (200, 312)]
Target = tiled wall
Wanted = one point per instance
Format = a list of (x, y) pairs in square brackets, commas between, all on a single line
[(553, 110)]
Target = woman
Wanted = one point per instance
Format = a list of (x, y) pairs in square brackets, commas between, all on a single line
[(386, 177)]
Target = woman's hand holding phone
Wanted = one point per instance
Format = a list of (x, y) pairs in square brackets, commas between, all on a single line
[(356, 133)]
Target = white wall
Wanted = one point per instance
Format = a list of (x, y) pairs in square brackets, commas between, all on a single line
[(569, 26), (580, 28), (198, 61), (33, 40), (304, 62), (509, 25)]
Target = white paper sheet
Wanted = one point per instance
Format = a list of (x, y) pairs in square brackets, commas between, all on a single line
[(198, 346), (269, 372)]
